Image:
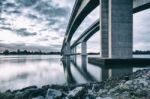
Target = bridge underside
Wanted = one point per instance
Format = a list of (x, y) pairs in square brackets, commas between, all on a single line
[(115, 24)]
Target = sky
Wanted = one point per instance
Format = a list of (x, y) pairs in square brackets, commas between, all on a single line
[(41, 25)]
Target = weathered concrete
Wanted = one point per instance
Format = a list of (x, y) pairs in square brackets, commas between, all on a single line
[(83, 48), (83, 9), (86, 34), (104, 74), (67, 49), (84, 54), (119, 72), (104, 28), (120, 28), (139, 5), (74, 54)]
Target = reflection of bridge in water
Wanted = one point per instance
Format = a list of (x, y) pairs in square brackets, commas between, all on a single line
[(105, 71), (115, 25)]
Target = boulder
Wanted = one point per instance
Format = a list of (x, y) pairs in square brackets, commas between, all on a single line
[(53, 94), (39, 97), (77, 92), (30, 87)]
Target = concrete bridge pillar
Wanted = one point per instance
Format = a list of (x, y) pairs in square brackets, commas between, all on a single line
[(75, 52), (119, 72), (83, 48), (104, 74), (67, 49), (116, 28), (104, 28), (84, 53)]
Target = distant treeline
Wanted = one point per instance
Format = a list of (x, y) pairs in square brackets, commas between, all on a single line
[(25, 52), (141, 52)]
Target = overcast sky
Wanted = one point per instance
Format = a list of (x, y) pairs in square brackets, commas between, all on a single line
[(41, 24)]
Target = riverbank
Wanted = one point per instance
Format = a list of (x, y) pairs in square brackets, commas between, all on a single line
[(132, 86)]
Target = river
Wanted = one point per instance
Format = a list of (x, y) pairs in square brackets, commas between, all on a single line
[(18, 71)]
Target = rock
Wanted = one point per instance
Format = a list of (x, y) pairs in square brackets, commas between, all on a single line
[(8, 91), (126, 78), (39, 97), (103, 98), (143, 81), (46, 87), (102, 92), (77, 92), (113, 90), (30, 87), (53, 94), (124, 95), (29, 93), (128, 82), (90, 97), (141, 93), (96, 87), (124, 87), (6, 95)]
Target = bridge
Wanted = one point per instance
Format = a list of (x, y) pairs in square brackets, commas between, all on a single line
[(115, 25)]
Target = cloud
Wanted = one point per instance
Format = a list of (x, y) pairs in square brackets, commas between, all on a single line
[(141, 30), (42, 21), (42, 39), (6, 28), (23, 32), (9, 5), (31, 16), (50, 9), (27, 3)]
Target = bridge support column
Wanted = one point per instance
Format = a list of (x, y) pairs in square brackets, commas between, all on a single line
[(104, 74), (119, 72), (104, 28), (67, 49), (75, 52), (83, 48), (84, 53), (116, 28), (120, 28)]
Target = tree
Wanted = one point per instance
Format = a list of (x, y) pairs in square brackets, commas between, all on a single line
[(6, 52)]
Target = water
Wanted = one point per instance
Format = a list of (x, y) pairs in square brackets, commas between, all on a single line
[(20, 71)]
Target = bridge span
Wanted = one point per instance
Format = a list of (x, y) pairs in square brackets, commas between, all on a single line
[(115, 25)]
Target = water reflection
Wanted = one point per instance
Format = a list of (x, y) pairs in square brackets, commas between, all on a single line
[(20, 71), (83, 71), (105, 71), (67, 71)]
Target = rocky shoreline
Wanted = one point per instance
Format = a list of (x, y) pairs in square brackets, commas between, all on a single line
[(132, 86)]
